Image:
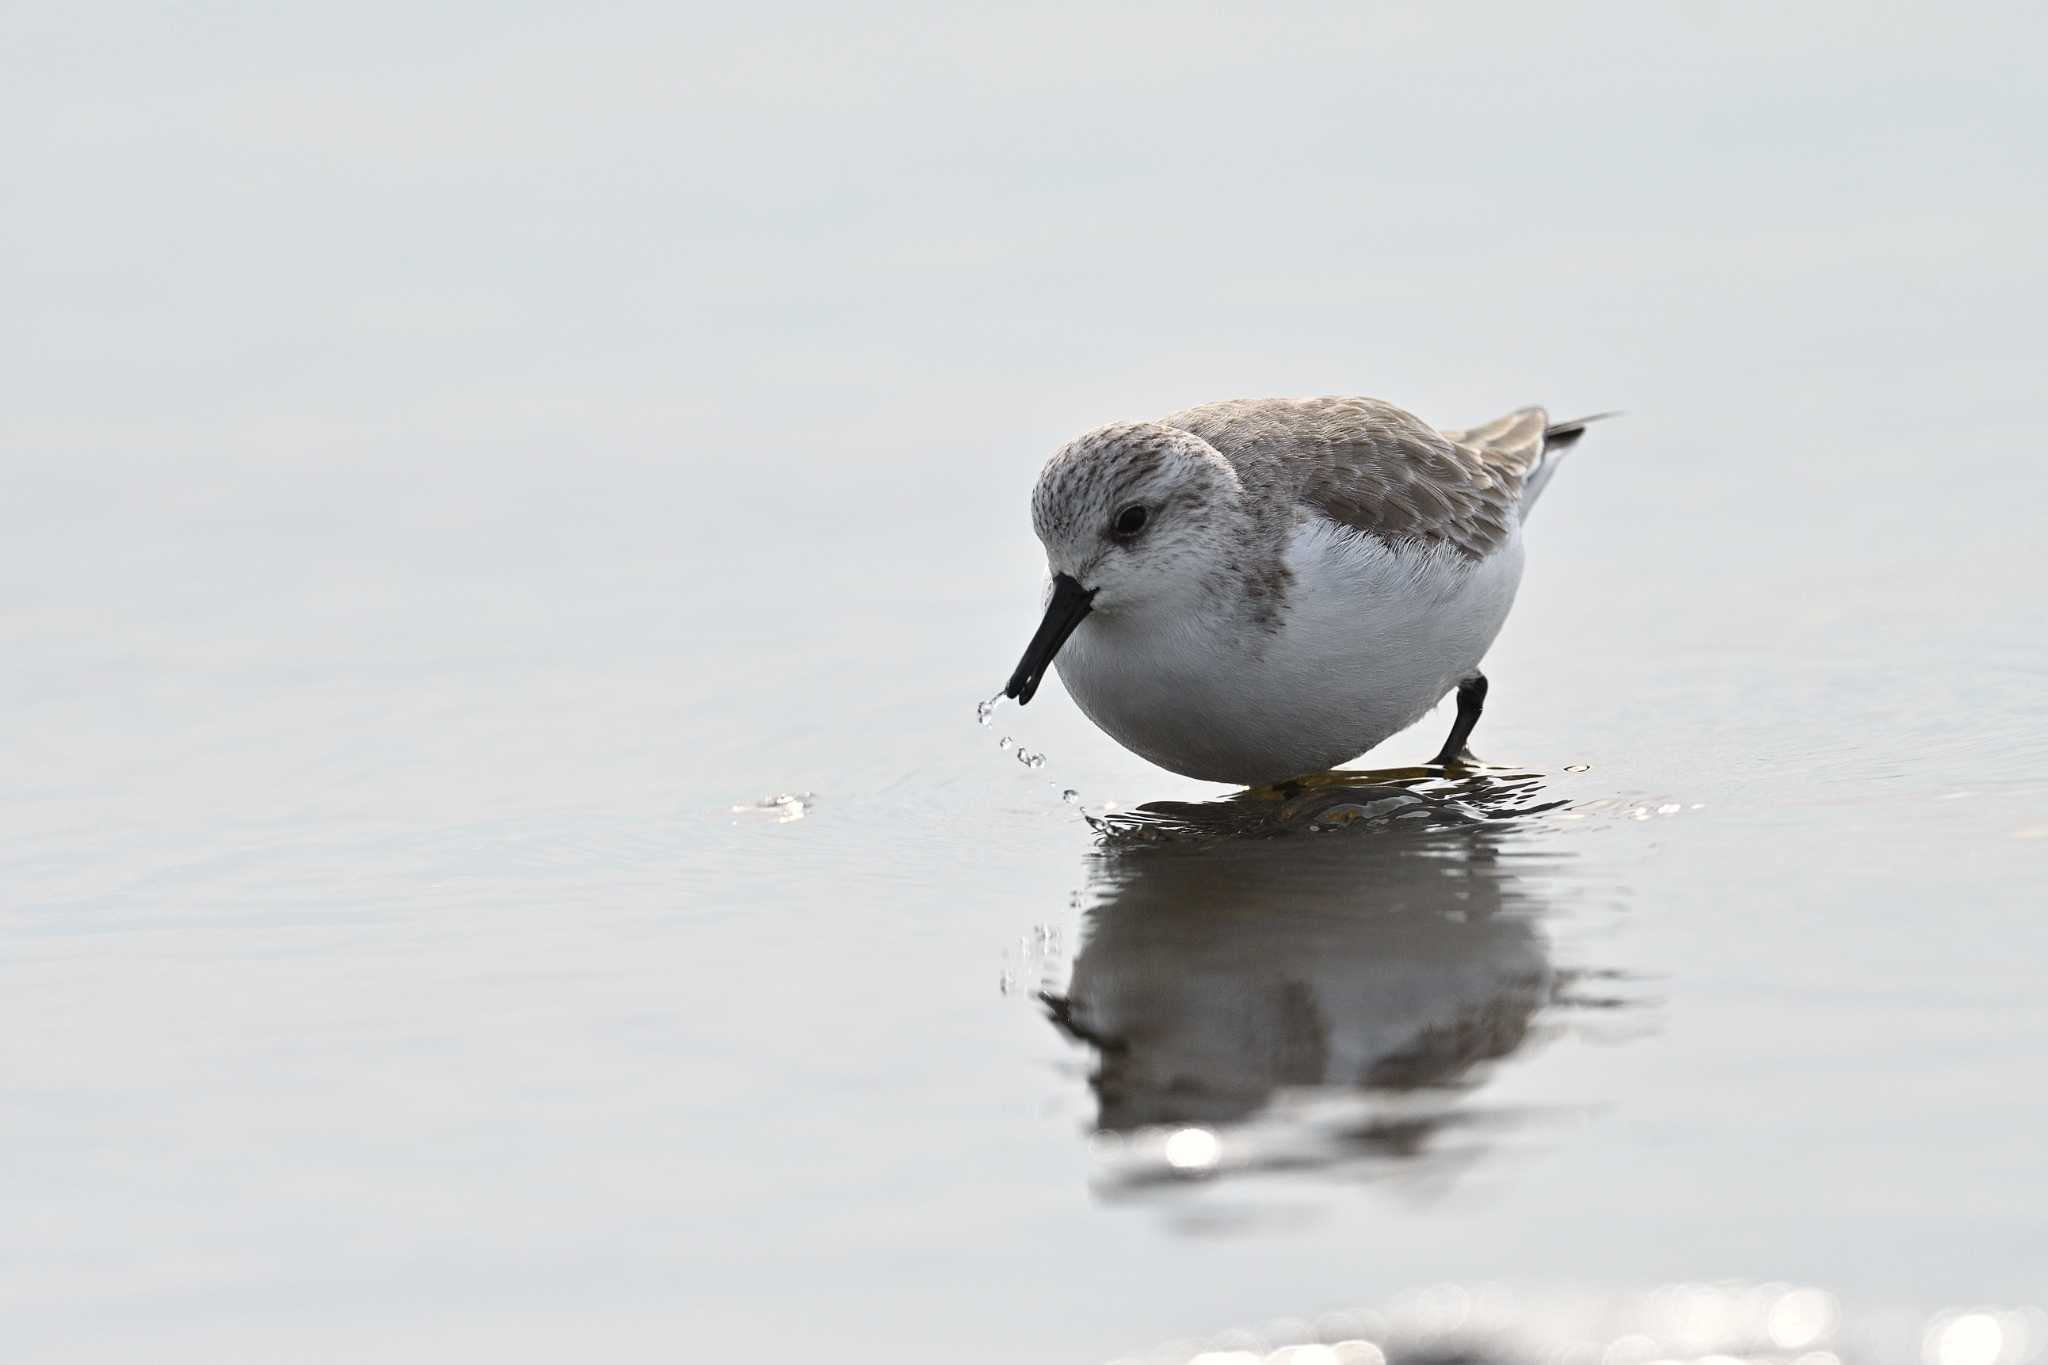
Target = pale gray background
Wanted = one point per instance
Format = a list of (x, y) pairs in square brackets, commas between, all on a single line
[(451, 454)]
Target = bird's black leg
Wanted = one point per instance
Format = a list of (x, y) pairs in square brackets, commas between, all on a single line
[(1471, 700)]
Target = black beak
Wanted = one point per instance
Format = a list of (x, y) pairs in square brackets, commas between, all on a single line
[(1069, 603)]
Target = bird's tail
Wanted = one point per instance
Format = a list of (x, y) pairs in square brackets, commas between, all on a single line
[(1558, 438), (1564, 435)]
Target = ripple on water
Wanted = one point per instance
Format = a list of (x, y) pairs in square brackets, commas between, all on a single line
[(1406, 799), (785, 808)]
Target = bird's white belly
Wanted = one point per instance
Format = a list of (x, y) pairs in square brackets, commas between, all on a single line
[(1369, 639)]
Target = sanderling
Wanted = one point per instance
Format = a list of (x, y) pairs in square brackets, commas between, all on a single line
[(1248, 591)]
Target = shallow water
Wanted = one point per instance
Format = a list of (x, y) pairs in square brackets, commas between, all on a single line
[(505, 522)]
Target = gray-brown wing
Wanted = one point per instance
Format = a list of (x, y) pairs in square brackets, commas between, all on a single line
[(1515, 440), (1525, 441), (1370, 466)]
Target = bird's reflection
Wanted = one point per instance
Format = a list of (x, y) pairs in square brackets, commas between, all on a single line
[(1304, 977)]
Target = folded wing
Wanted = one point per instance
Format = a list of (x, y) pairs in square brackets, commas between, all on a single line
[(1371, 467)]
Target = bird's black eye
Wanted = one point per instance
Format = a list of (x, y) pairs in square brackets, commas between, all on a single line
[(1131, 520)]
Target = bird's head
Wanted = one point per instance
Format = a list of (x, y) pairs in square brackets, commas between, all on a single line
[(1135, 518)]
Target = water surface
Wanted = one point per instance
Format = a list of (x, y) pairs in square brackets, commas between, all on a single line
[(455, 459)]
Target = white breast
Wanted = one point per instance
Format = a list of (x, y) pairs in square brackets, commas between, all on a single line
[(1370, 638)]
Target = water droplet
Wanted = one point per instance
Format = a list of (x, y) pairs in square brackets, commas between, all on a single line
[(1576, 767), (1004, 743), (1070, 796), (1030, 758)]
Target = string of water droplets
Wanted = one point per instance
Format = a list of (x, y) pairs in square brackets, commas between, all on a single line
[(984, 715)]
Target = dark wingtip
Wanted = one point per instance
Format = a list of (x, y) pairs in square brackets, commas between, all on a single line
[(1559, 435)]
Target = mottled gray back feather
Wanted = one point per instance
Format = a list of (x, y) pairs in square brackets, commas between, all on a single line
[(1372, 467)]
